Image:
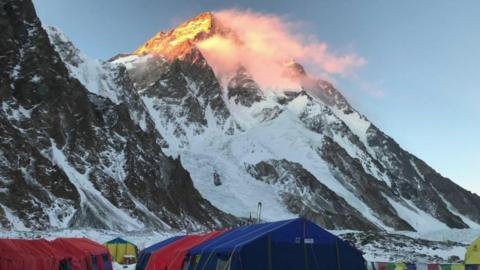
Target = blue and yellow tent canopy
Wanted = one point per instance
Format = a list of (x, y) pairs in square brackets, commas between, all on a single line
[(121, 250)]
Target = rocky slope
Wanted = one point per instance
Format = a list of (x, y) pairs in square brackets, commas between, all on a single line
[(78, 147), (158, 138)]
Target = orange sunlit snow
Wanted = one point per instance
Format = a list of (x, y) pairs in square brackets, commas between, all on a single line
[(166, 43), (259, 42)]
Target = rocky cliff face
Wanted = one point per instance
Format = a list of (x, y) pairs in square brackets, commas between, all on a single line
[(159, 139), (78, 146)]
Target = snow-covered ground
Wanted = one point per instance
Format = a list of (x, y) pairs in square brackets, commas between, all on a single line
[(117, 266), (437, 246)]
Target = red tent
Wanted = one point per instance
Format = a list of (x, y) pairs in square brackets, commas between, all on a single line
[(86, 254), (172, 256), (30, 255)]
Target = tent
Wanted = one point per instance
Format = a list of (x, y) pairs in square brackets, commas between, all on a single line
[(283, 245), (171, 257), (472, 256), (120, 248), (411, 266), (31, 255), (145, 254), (86, 254)]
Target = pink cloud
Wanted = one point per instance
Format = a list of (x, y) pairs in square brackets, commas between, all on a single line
[(266, 42)]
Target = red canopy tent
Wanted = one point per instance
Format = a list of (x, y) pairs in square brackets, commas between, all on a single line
[(172, 256), (30, 255), (86, 254)]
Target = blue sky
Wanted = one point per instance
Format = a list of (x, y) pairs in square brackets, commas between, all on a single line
[(421, 55)]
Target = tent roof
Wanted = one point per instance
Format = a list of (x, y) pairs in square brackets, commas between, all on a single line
[(162, 244), (231, 238), (243, 235), (36, 254), (118, 240), (38, 247), (472, 256), (144, 255), (80, 246), (172, 256)]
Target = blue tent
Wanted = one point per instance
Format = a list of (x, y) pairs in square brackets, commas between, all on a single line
[(284, 245), (147, 252)]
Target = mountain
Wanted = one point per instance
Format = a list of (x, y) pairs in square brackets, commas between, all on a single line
[(78, 147), (159, 139)]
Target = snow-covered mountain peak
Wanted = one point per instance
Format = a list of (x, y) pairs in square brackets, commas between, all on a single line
[(300, 141), (182, 39), (172, 143), (197, 40)]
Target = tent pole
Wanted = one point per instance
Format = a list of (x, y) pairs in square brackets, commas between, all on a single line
[(269, 252), (227, 266), (305, 252), (338, 255), (259, 212)]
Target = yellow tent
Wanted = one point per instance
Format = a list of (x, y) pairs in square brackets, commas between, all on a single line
[(122, 251), (473, 253)]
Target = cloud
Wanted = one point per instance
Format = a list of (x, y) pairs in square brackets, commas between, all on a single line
[(266, 42)]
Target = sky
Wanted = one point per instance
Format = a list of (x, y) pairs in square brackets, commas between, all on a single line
[(420, 82)]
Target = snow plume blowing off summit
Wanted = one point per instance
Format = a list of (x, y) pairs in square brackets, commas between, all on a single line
[(267, 42), (262, 43)]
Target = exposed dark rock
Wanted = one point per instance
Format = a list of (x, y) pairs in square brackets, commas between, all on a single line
[(305, 195), (419, 183), (243, 89), (370, 190)]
